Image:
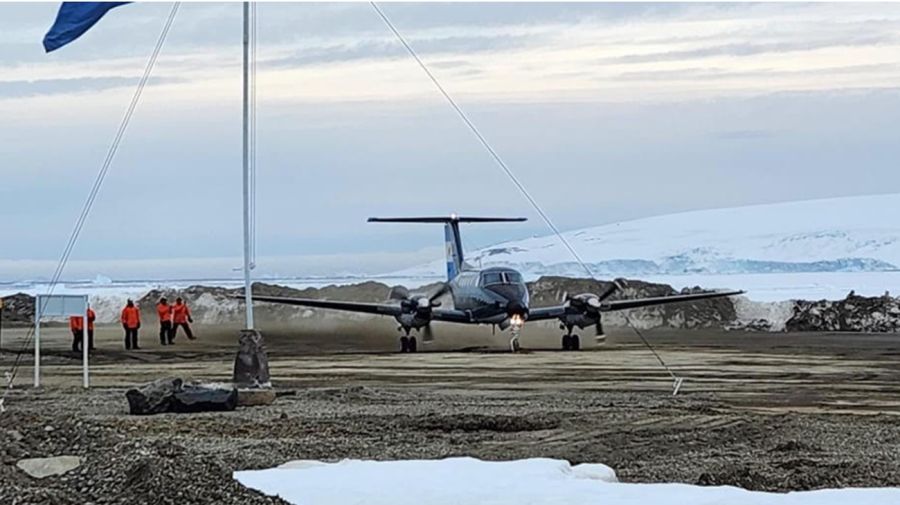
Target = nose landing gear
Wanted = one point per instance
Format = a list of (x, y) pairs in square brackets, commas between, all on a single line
[(515, 329)]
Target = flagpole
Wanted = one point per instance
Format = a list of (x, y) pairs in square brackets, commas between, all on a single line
[(248, 296)]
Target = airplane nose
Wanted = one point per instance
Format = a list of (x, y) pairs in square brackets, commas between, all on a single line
[(517, 309)]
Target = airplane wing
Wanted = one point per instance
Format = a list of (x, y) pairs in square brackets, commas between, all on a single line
[(385, 309), (367, 308), (451, 315), (659, 300), (542, 313), (539, 314)]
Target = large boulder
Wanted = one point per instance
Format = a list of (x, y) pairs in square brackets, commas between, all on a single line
[(251, 365), (154, 397), (173, 395), (205, 398)]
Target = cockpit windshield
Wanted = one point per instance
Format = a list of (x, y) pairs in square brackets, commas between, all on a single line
[(489, 278)]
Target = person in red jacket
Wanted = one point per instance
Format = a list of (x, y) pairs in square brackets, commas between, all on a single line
[(131, 322), (164, 311), (76, 324), (181, 317)]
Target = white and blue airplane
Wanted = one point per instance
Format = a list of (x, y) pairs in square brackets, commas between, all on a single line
[(497, 296)]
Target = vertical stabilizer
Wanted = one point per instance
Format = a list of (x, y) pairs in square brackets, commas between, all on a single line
[(452, 242), (453, 246)]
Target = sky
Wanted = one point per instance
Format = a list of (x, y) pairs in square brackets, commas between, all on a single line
[(606, 112)]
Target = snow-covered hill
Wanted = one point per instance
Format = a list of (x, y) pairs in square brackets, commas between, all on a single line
[(851, 234)]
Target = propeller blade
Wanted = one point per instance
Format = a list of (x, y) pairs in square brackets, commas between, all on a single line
[(440, 292), (427, 336), (617, 284), (399, 293)]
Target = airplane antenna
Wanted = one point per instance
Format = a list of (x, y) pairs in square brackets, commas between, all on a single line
[(515, 180)]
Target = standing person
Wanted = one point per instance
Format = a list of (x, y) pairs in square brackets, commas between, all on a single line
[(181, 316), (76, 325), (164, 311), (131, 322), (91, 316)]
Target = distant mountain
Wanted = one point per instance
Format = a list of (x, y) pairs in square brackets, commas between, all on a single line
[(851, 234)]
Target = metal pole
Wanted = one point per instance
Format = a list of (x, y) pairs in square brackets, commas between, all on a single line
[(248, 296), (37, 341), (85, 344)]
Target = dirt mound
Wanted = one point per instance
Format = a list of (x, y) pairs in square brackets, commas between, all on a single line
[(18, 309), (853, 313), (715, 313)]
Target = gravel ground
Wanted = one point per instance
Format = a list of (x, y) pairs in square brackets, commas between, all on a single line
[(813, 411)]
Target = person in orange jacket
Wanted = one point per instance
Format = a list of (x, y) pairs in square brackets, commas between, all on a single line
[(181, 316), (131, 322), (164, 311), (76, 324)]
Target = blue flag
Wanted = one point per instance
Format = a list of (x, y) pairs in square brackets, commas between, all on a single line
[(73, 19)]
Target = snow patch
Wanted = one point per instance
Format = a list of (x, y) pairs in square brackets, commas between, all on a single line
[(776, 314), (460, 481)]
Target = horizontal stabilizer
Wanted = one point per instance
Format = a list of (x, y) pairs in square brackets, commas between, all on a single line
[(446, 219)]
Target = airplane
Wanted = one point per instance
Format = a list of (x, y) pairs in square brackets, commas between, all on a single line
[(497, 296)]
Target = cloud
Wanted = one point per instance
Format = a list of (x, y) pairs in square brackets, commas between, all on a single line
[(18, 89), (391, 48), (748, 49)]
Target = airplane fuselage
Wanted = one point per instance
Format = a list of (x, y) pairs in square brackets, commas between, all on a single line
[(492, 295)]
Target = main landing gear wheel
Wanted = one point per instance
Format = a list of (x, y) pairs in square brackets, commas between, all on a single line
[(408, 344), (571, 343)]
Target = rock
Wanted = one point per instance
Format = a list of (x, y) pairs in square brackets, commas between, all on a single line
[(173, 395), (204, 398), (249, 397), (251, 365), (153, 398), (45, 467)]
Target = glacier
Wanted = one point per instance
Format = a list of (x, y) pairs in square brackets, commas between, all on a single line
[(848, 234)]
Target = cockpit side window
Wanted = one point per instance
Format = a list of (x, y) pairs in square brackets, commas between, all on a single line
[(513, 277), (491, 278)]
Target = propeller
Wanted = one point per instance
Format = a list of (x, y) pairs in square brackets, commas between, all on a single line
[(421, 305), (616, 285)]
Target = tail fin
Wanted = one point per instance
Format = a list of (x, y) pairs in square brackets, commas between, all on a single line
[(453, 245), (452, 240)]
